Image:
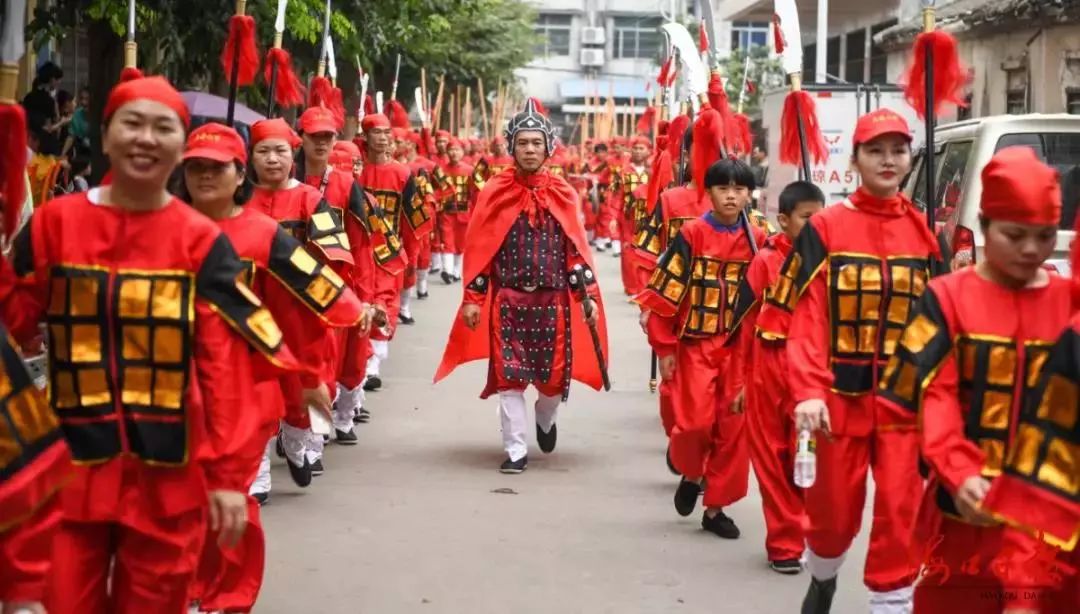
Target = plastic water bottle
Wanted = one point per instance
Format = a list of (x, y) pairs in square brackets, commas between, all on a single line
[(805, 459)]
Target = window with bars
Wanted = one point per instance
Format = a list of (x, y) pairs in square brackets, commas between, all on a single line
[(879, 63), (856, 56), (554, 31), (832, 58), (637, 37), (810, 61), (1072, 101), (747, 34)]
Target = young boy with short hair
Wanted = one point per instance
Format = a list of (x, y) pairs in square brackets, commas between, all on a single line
[(765, 389)]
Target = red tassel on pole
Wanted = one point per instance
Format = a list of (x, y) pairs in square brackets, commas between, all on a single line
[(660, 176), (708, 136), (13, 155), (399, 117), (369, 105), (718, 100), (703, 37), (790, 149), (645, 122), (539, 106), (676, 130), (323, 93), (242, 33), (950, 75), (739, 138), (288, 91), (665, 72), (130, 73)]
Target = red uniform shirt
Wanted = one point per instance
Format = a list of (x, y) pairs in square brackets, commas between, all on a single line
[(454, 180), (301, 210), (394, 189)]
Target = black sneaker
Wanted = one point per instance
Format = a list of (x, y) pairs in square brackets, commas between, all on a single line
[(261, 497), (447, 278), (372, 383), (721, 524), (421, 295), (670, 463), (819, 596), (514, 467), (599, 247), (279, 448), (406, 320), (300, 474), (788, 567), (434, 271), (362, 416), (686, 496), (346, 438), (317, 468), (457, 278), (546, 441)]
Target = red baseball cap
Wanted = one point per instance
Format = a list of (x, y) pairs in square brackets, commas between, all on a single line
[(316, 120), (373, 121), (879, 122), (215, 142)]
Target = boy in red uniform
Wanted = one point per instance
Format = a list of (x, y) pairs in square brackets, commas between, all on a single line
[(493, 164), (630, 209), (848, 286), (965, 370), (422, 169), (766, 395), (690, 318), (454, 195), (599, 170)]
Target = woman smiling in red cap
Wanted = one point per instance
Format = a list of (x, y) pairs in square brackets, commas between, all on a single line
[(148, 366), (963, 369), (848, 285)]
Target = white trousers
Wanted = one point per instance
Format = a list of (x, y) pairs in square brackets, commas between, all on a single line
[(406, 297), (380, 350), (616, 246), (515, 419), (262, 478), (421, 281), (436, 261), (300, 443), (458, 260), (448, 264), (345, 407), (898, 601)]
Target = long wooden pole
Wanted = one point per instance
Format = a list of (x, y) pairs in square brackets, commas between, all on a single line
[(467, 113), (482, 99), (423, 92), (453, 116), (439, 102)]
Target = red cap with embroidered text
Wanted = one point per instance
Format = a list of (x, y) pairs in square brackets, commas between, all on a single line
[(878, 123), (216, 142)]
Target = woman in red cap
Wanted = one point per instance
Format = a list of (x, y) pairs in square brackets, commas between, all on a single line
[(965, 372), (300, 210), (454, 178), (848, 285), (304, 295), (376, 251), (149, 369)]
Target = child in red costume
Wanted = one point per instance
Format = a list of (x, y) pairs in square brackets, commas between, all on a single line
[(688, 297), (302, 294), (455, 199), (301, 211), (965, 370), (599, 171), (766, 395), (531, 294), (422, 168), (848, 285), (629, 207), (372, 242), (150, 337)]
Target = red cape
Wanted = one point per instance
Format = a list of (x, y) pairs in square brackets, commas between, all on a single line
[(500, 202)]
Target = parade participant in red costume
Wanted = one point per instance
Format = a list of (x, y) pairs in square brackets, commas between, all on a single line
[(442, 140), (422, 169), (300, 210), (965, 371), (453, 193), (848, 285), (599, 170), (149, 335), (490, 165), (688, 297), (630, 209), (372, 241), (395, 191), (766, 395), (347, 158), (531, 292), (34, 468), (304, 296)]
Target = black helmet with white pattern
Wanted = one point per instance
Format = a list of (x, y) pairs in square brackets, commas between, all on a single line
[(533, 118)]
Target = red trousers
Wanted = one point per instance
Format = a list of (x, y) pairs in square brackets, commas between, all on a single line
[(631, 277), (438, 245), (980, 570), (423, 254), (667, 406), (604, 216), (352, 359), (453, 227), (112, 568), (707, 440), (229, 580), (25, 554), (834, 504), (770, 428)]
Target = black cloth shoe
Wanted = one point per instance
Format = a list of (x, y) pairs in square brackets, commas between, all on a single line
[(670, 463), (457, 278), (362, 416), (434, 271), (317, 468), (421, 295), (372, 383), (819, 596), (686, 497), (279, 448), (446, 278), (599, 247), (788, 567), (406, 320), (346, 438), (300, 474), (546, 441), (261, 497), (721, 524), (514, 467)]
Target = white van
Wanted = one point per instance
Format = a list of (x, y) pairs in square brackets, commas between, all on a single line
[(961, 151)]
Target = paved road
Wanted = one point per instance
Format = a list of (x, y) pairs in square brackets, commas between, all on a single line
[(415, 518)]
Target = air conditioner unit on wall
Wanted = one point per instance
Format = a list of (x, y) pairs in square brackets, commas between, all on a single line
[(593, 36), (592, 57)]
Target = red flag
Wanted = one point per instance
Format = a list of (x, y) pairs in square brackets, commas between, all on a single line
[(778, 34), (750, 87), (663, 79), (703, 38)]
